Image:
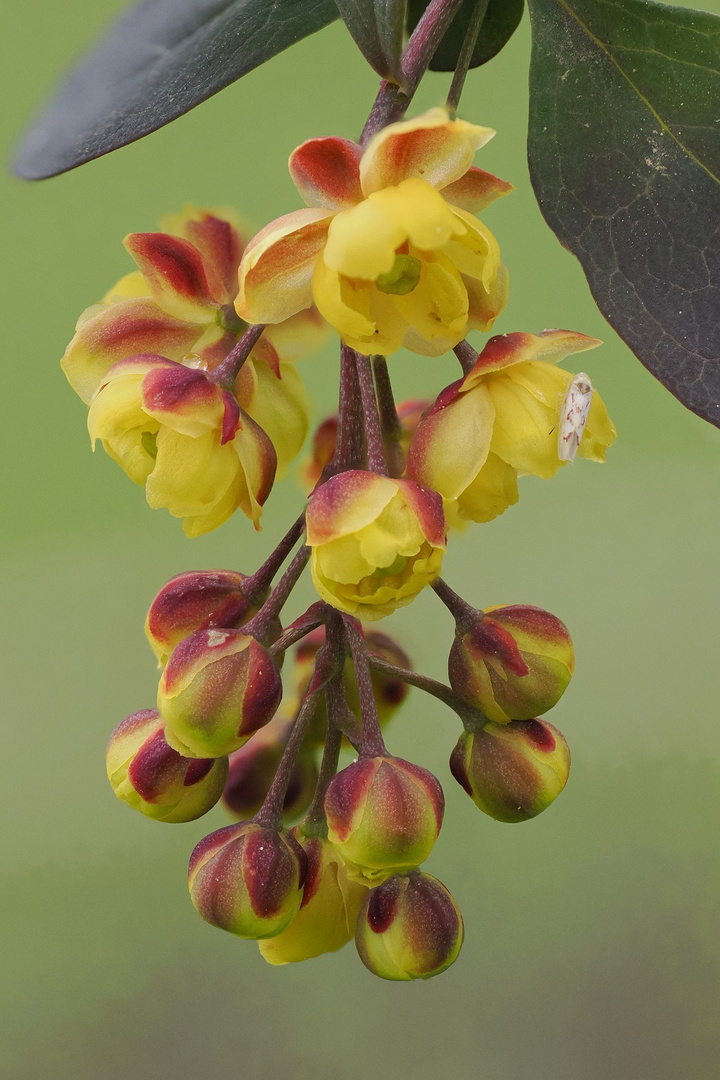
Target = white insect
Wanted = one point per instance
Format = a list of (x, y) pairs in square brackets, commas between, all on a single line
[(573, 415)]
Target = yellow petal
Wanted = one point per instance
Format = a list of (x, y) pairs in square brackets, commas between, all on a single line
[(599, 431), (276, 269), (525, 431), (436, 309), (362, 241), (492, 491), (191, 476), (430, 146)]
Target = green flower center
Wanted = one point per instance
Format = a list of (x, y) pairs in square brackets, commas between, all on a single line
[(402, 278), (148, 440), (396, 566)]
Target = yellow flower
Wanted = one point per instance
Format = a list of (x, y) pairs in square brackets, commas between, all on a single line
[(390, 249), (503, 420), (328, 913), (375, 542), (177, 432)]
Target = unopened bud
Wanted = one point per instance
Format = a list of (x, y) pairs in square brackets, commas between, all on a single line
[(328, 913), (409, 928), (253, 767), (513, 664), (198, 600), (512, 771), (219, 687), (248, 879), (150, 776), (384, 814)]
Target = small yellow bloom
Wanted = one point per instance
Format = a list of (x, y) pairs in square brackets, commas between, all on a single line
[(500, 421), (390, 249), (375, 542), (177, 432)]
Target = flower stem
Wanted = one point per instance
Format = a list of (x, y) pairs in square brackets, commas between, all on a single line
[(392, 101), (373, 744), (425, 39), (466, 355), (270, 813), (349, 442), (471, 717), (256, 584), (315, 822), (392, 428), (373, 432), (464, 614), (310, 620), (259, 624), (226, 373), (468, 45)]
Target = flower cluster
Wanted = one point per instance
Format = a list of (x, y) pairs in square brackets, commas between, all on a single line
[(204, 436), (186, 367)]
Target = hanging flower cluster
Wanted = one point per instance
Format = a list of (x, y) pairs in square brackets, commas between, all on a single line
[(187, 368)]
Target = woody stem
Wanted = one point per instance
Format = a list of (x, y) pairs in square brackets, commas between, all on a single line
[(392, 100), (259, 624), (373, 432), (256, 584), (270, 813), (373, 744), (464, 614), (392, 429), (471, 716)]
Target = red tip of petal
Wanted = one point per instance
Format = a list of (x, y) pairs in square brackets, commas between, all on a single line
[(326, 172), (231, 418)]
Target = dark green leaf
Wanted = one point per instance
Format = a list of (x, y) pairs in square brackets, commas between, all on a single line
[(624, 154), (159, 61), (377, 27), (500, 23)]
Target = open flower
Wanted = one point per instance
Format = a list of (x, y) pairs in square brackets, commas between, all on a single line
[(177, 432), (375, 542), (179, 304), (501, 421), (389, 249)]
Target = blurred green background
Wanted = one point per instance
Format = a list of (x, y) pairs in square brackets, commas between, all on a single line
[(592, 946)]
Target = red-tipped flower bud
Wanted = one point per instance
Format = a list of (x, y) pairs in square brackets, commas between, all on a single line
[(198, 600), (384, 814), (409, 928), (253, 767), (150, 776), (248, 879), (513, 664), (328, 913), (512, 771), (219, 687)]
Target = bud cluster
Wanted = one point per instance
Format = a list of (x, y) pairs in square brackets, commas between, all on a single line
[(187, 368)]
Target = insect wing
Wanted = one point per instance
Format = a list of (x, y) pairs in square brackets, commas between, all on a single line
[(573, 415)]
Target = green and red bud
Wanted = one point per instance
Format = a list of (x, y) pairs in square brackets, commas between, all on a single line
[(253, 767), (151, 777), (409, 928), (248, 879), (329, 910), (384, 814), (197, 600), (219, 687), (514, 664), (512, 771)]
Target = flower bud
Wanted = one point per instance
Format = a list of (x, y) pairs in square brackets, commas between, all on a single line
[(409, 928), (219, 687), (384, 814), (328, 913), (248, 879), (150, 776), (512, 771), (254, 765), (513, 664), (376, 542), (198, 600)]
